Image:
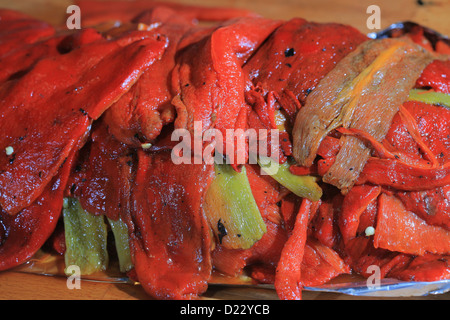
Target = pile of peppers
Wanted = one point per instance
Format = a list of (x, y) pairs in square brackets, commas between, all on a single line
[(87, 117)]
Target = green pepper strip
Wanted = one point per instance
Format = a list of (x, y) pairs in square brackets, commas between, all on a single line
[(120, 232), (430, 97), (302, 186), (86, 239), (231, 209)]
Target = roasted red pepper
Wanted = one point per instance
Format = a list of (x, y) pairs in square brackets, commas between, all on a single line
[(215, 96), (89, 114), (102, 178), (139, 116), (170, 238), (23, 234), (47, 112), (288, 277)]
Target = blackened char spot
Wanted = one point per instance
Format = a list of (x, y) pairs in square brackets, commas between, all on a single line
[(222, 230), (289, 52)]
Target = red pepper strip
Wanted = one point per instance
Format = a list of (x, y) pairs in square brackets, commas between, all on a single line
[(303, 171), (19, 61), (265, 110), (18, 29), (396, 263), (324, 226), (360, 254), (41, 112), (434, 128), (262, 273), (139, 116), (437, 76), (97, 12), (268, 249), (102, 182), (58, 240), (355, 203), (323, 165), (170, 238), (25, 233), (413, 130), (139, 54), (379, 148), (368, 217), (329, 147), (288, 273), (285, 143), (320, 264), (433, 205), (254, 122), (403, 231), (215, 96), (265, 115), (290, 205), (229, 261), (401, 176), (384, 151), (425, 268), (356, 250), (290, 104), (297, 55), (265, 191), (431, 135)]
